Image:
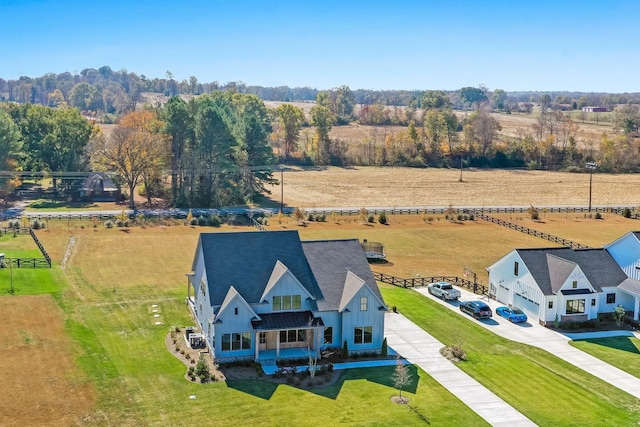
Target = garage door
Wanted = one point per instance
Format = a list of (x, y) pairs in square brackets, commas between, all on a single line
[(503, 294), (531, 308)]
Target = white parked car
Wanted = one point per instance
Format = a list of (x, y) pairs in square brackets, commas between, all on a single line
[(443, 290)]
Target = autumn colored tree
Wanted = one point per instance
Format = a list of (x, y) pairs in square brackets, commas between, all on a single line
[(135, 150), (291, 118)]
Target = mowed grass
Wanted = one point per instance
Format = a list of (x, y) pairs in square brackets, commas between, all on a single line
[(141, 383), (577, 226), (20, 246), (621, 352), (396, 186), (40, 383), (543, 387), (415, 247)]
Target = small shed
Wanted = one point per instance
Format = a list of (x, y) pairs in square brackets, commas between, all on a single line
[(98, 187)]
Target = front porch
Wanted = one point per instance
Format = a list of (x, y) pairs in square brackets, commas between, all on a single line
[(267, 356)]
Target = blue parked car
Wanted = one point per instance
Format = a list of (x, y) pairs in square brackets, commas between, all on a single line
[(514, 315)]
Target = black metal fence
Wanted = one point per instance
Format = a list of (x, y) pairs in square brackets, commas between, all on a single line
[(43, 251), (532, 232), (475, 287)]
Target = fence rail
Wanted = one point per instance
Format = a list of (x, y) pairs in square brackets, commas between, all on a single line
[(532, 232), (475, 287), (43, 251), (25, 263)]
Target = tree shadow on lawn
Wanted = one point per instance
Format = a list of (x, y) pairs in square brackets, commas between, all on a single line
[(264, 389), (618, 343)]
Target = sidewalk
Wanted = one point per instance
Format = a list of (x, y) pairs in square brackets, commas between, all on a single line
[(555, 343), (420, 348)]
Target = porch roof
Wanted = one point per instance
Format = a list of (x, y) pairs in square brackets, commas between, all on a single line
[(287, 320), (575, 291), (630, 286)]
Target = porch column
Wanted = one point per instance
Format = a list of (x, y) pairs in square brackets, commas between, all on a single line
[(636, 308), (277, 344), (256, 342)]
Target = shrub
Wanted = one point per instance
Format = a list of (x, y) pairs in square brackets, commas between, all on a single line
[(382, 218), (598, 215), (193, 221), (345, 350), (323, 218), (36, 225), (460, 217), (384, 347), (471, 217), (626, 213), (215, 220), (202, 369), (370, 218)]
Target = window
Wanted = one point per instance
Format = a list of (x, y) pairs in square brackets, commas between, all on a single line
[(296, 302), (293, 335), (363, 335), (550, 305), (328, 335), (236, 341), (263, 337), (235, 310), (611, 298), (364, 303), (593, 302), (203, 288), (515, 268), (574, 284), (575, 306), (287, 302)]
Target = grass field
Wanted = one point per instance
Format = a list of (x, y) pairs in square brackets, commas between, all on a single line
[(621, 352), (39, 380), (113, 276), (543, 387), (389, 186)]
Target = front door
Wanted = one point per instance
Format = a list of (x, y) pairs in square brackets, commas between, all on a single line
[(262, 340)]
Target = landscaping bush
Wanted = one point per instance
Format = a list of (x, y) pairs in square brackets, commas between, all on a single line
[(382, 218), (385, 348), (598, 215), (193, 221), (215, 221), (310, 217), (626, 213), (345, 350), (370, 218)]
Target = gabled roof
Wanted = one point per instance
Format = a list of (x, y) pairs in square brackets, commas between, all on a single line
[(331, 262), (278, 272), (352, 285), (599, 267), (630, 286), (559, 271), (254, 261), (233, 294), (247, 259)]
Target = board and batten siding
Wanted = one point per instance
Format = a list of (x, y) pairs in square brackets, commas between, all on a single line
[(626, 252), (286, 285), (353, 316)]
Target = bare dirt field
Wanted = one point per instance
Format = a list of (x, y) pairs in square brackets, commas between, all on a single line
[(371, 187), (39, 382)]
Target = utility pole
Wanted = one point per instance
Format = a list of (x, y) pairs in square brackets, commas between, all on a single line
[(281, 189), (591, 166)]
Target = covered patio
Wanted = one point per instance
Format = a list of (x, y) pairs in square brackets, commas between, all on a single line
[(289, 335), (631, 287)]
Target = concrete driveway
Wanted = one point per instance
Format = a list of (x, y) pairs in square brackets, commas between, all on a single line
[(534, 334)]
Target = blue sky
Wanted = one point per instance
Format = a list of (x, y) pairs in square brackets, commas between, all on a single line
[(546, 45)]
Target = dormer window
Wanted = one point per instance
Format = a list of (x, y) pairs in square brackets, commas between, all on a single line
[(515, 268), (574, 285), (287, 302)]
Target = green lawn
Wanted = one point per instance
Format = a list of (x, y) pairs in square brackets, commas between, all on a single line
[(20, 246), (141, 383), (543, 387), (621, 352), (30, 281)]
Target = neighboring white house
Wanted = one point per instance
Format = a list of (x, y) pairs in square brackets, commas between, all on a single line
[(268, 295), (574, 285)]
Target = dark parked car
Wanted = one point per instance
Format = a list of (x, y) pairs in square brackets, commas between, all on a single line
[(477, 309)]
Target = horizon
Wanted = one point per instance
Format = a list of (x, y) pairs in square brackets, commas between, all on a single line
[(411, 45)]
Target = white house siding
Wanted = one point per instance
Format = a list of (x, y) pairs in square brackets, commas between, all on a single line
[(620, 298), (287, 285), (353, 317), (626, 252), (229, 322)]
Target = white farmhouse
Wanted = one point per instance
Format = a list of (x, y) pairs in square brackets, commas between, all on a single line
[(570, 285)]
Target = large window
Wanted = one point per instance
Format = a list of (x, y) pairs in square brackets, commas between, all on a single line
[(363, 334), (293, 335), (287, 302), (236, 341), (575, 306), (328, 335), (364, 303), (611, 298)]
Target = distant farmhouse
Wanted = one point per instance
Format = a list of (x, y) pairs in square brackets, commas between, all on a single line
[(574, 285), (267, 295), (594, 109), (97, 187)]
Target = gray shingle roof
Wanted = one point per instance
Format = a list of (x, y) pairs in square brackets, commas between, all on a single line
[(597, 264), (246, 260), (287, 320), (330, 261)]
